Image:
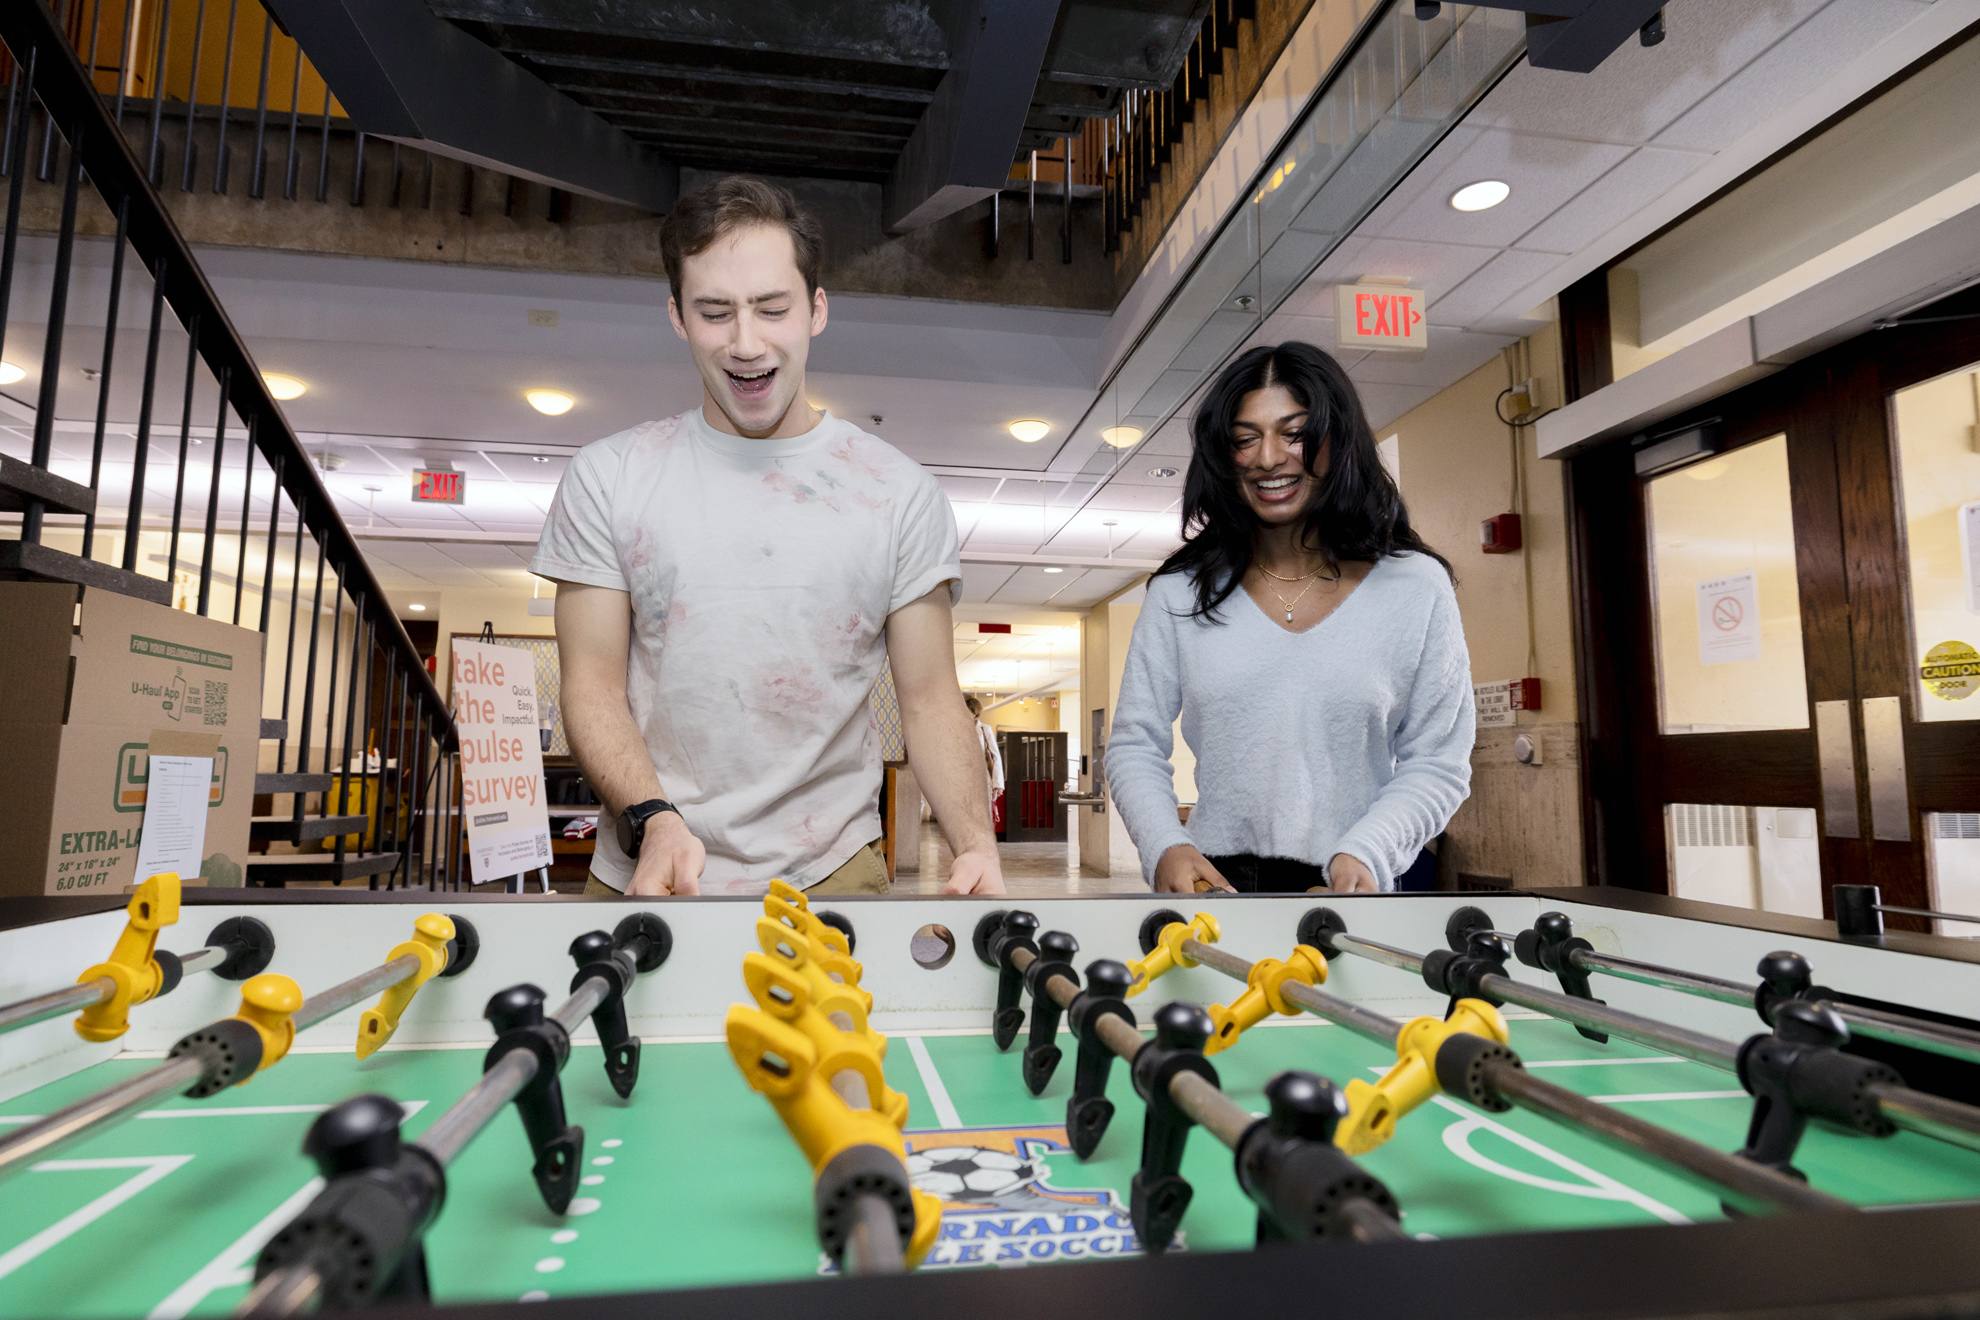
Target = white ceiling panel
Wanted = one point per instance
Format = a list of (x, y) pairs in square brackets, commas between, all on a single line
[(1120, 497), (1544, 173), (1500, 278), (1786, 71), (1436, 268), (1385, 403), (1452, 355), (980, 581), (1595, 210)]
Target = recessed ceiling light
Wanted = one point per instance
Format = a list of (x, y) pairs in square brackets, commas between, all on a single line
[(1120, 437), (1030, 431), (9, 373), (551, 403), (416, 607), (1055, 570), (283, 387), (1480, 196), (1162, 473), (539, 458)]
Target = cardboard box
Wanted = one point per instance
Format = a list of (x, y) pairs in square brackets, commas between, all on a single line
[(91, 678)]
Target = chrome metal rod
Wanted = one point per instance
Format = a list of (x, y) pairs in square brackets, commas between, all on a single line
[(1694, 1045), (1670, 978), (570, 1014), (874, 1246), (1381, 1030), (1381, 953), (453, 1130), (340, 997), (69, 999), (1923, 912), (92, 1113), (201, 960), (1876, 1023), (296, 1290), (1930, 1115), (1218, 1114), (1752, 1187)]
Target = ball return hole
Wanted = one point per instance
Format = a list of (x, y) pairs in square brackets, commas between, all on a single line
[(932, 946)]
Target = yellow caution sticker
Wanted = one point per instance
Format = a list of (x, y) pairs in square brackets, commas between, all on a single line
[(1951, 671)]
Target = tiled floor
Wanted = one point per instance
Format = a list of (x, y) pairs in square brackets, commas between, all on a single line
[(1029, 869)]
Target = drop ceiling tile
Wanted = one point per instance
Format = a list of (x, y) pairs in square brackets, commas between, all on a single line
[(1436, 268), (1498, 280), (967, 488), (980, 581), (1452, 355), (1385, 403), (1611, 199), (1639, 92), (1405, 195), (1544, 173), (1779, 76), (1120, 497)]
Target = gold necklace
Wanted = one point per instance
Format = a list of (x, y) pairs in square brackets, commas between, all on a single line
[(1296, 599), (1283, 578)]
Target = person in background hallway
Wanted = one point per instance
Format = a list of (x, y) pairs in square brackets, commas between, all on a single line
[(1311, 643), (993, 755), (731, 581)]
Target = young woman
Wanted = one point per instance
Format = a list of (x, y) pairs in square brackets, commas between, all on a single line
[(1310, 641)]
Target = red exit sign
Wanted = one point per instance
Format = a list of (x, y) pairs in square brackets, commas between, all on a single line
[(1380, 316), (439, 487)]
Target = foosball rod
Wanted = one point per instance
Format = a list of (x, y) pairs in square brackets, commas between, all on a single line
[(1207, 1106), (179, 1073), (1934, 1038), (294, 1289), (1752, 1186), (88, 994), (1915, 1111)]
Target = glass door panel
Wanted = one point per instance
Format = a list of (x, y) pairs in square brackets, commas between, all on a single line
[(1725, 600), (1937, 424), (1766, 858), (1955, 862)]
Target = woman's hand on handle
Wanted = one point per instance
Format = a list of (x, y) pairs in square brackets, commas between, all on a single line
[(1183, 867), (1349, 875)]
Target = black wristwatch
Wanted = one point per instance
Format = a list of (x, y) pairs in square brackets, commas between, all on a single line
[(632, 822)]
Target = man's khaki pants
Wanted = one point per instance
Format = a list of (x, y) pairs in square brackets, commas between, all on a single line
[(865, 872)]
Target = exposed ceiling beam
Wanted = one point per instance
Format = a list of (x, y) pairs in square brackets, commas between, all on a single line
[(961, 151), (408, 76)]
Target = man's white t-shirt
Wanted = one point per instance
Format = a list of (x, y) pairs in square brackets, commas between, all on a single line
[(761, 574)]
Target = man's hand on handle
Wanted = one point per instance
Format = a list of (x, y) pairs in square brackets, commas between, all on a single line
[(975, 872), (670, 859)]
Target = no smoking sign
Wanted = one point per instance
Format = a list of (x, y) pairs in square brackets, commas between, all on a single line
[(1729, 619)]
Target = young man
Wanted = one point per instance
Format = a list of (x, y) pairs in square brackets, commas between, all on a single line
[(731, 581)]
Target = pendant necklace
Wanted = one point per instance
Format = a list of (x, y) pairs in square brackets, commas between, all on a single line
[(1311, 579)]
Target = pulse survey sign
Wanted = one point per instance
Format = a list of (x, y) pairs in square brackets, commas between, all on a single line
[(508, 824)]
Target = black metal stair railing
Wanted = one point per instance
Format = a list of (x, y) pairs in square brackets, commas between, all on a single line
[(189, 488)]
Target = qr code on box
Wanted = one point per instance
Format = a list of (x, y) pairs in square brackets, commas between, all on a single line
[(216, 702)]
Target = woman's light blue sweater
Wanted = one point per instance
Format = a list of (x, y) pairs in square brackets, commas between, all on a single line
[(1352, 737)]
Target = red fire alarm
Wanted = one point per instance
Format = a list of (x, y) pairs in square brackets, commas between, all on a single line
[(1525, 691), (1499, 535)]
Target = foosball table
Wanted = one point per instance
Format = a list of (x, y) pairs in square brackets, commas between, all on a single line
[(1571, 1102)]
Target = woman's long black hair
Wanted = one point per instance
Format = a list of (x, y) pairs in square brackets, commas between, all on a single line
[(1357, 514)]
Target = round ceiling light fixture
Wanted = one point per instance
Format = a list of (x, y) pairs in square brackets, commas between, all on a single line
[(1030, 430), (1481, 196), (9, 373), (1055, 570), (416, 607), (1120, 437), (539, 458), (551, 403), (1162, 473), (283, 387)]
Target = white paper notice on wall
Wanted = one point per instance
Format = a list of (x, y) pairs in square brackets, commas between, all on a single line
[(1969, 552), (508, 824), (1729, 619), (1494, 701)]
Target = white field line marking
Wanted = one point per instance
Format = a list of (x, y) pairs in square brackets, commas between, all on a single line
[(1597, 1186), (153, 1168), (1668, 1095), (1602, 1063), (225, 1111), (234, 1266), (931, 1082)]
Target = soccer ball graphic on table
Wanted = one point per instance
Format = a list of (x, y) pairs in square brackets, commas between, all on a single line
[(972, 1174)]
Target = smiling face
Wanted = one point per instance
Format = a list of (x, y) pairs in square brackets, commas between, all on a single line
[(1268, 452), (743, 309)]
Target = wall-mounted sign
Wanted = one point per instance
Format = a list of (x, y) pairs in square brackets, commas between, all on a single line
[(1495, 704), (439, 487), (1380, 316), (1729, 619)]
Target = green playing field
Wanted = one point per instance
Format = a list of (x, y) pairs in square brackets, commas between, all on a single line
[(693, 1181)]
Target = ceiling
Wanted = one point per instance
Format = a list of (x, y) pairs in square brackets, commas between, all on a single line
[(419, 363), (827, 90)]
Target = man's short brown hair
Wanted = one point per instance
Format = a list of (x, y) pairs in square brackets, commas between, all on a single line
[(718, 209)]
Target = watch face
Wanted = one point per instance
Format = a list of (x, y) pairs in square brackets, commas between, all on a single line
[(627, 840)]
